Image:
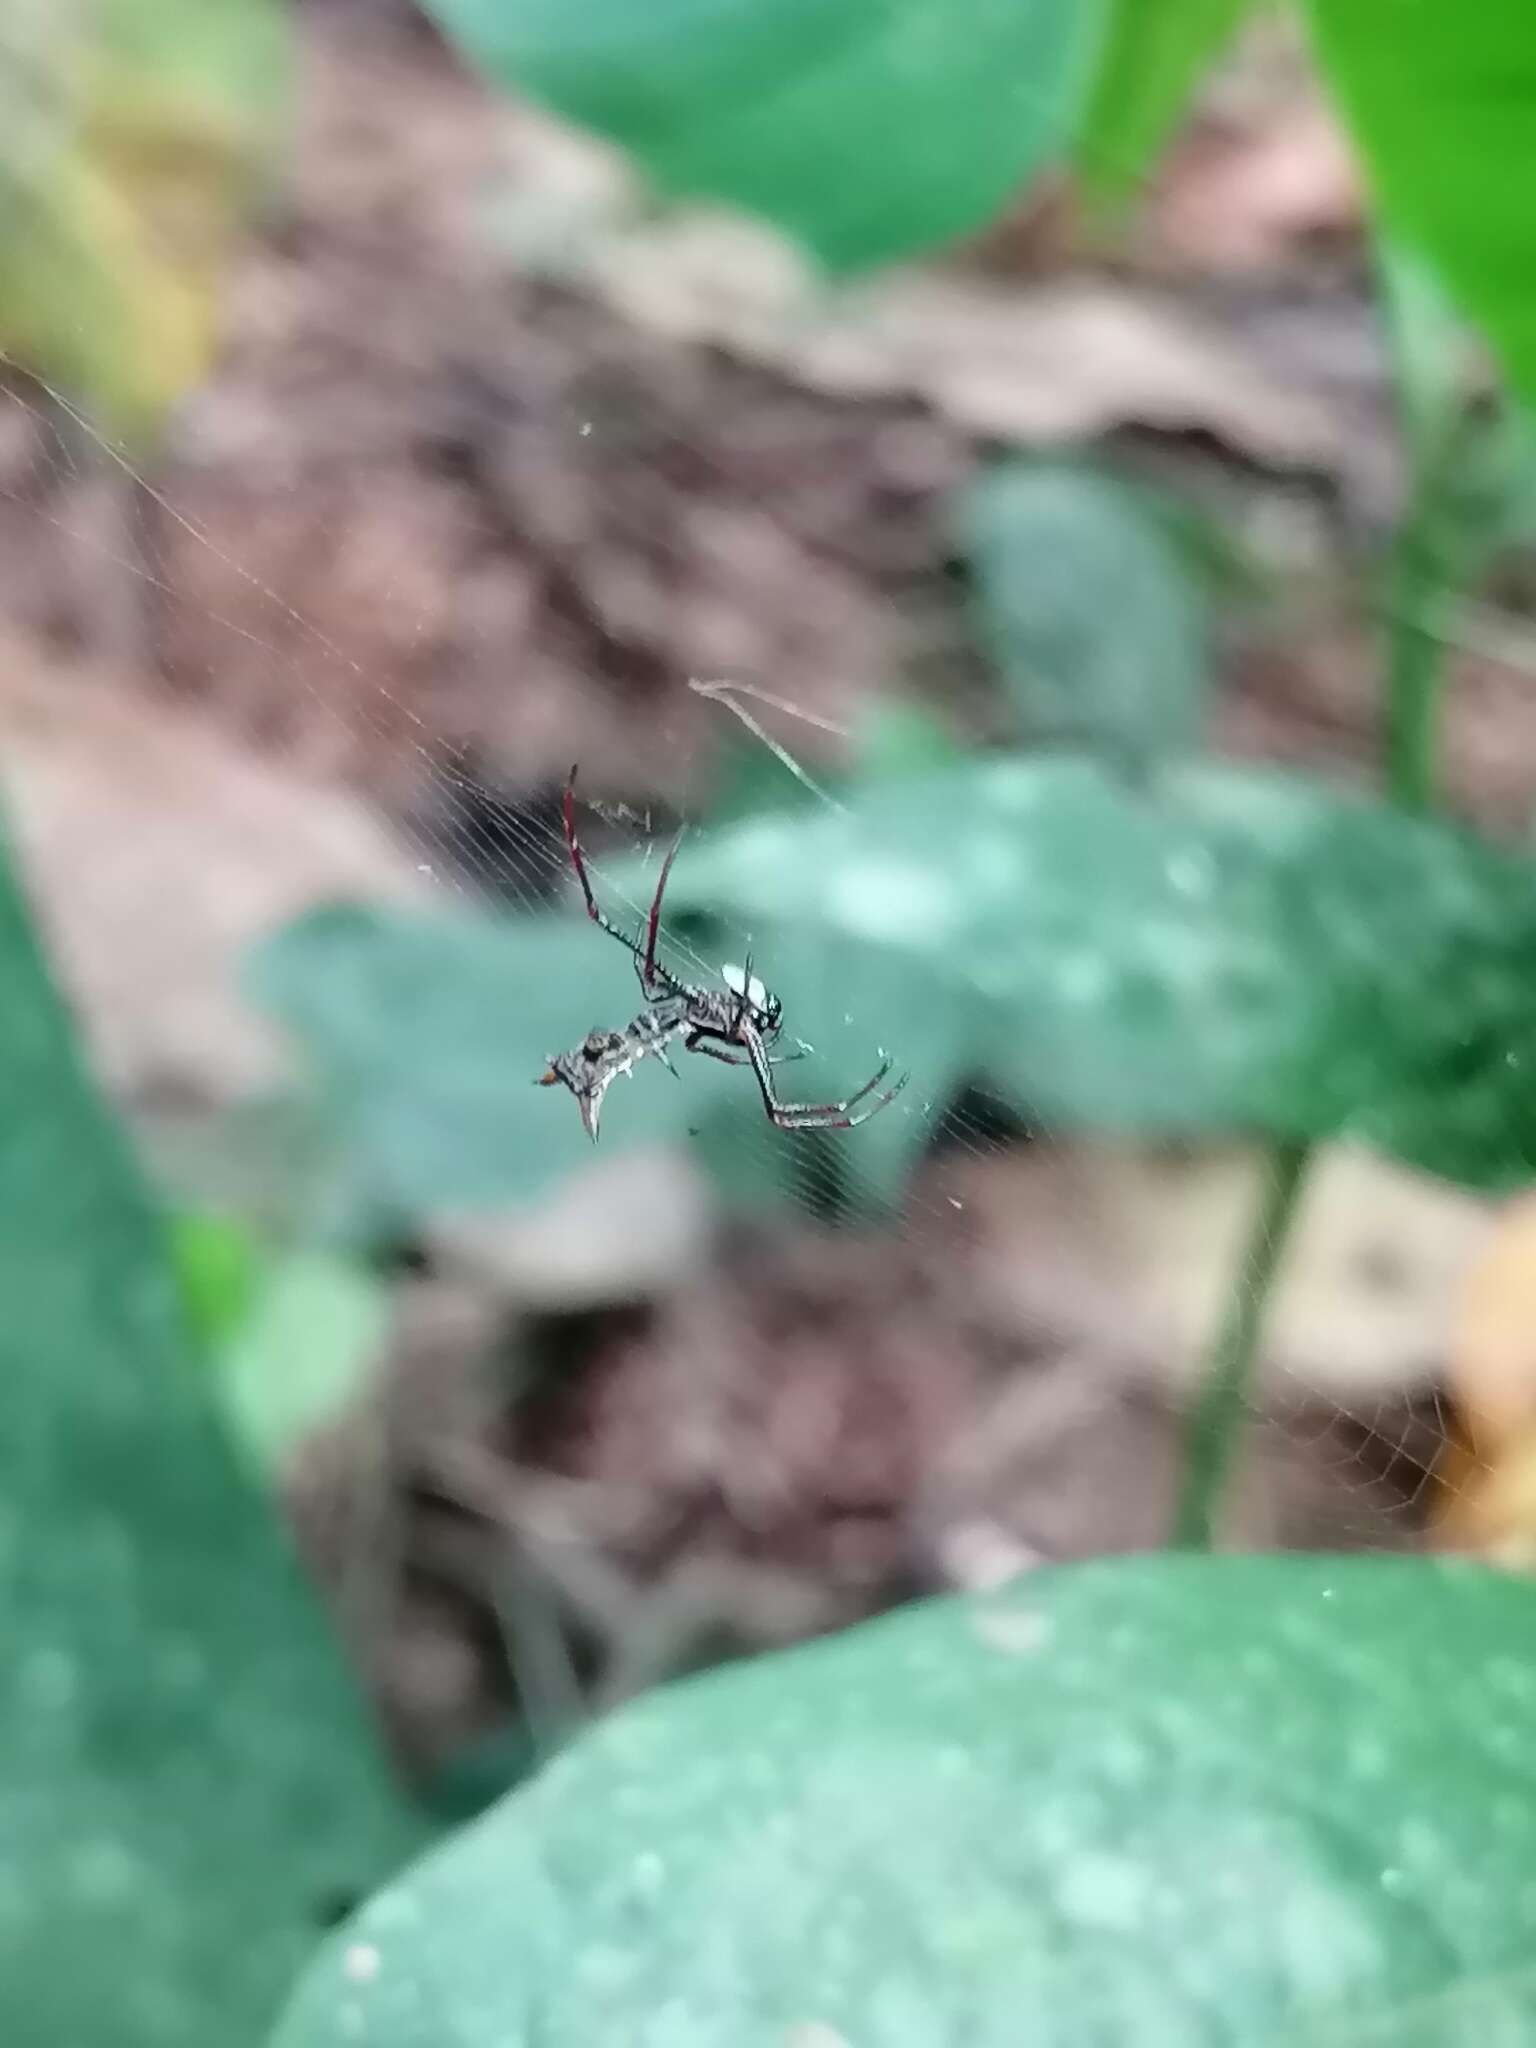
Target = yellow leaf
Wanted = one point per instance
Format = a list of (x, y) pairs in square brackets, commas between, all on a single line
[(122, 190), (1486, 1483), (1489, 1507)]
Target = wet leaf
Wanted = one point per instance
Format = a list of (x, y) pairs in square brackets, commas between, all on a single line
[(870, 129), (1235, 951), (751, 778), (1093, 613), (896, 738), (188, 1783), (1256, 1800)]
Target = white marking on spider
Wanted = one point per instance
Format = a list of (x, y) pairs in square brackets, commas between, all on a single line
[(740, 983)]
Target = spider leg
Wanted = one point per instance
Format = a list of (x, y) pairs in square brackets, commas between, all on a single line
[(699, 1041), (712, 1052), (816, 1116), (654, 978), (650, 975), (579, 863), (743, 996)]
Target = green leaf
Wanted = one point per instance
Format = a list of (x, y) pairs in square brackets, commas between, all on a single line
[(752, 778), (133, 138), (891, 737), (1127, 1805), (305, 1350), (871, 129), (1470, 480), (895, 738), (1091, 610), (1431, 350), (189, 1788), (218, 1266), (1154, 55), (291, 1338), (1473, 464), (1442, 101), (1243, 950)]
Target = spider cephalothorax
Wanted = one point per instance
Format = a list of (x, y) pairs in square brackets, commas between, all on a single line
[(738, 1023), (764, 1011)]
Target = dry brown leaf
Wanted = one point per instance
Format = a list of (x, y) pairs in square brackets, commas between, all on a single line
[(1489, 1508), (158, 853), (1487, 1482), (1062, 360), (1143, 1244), (1247, 203), (1493, 1361)]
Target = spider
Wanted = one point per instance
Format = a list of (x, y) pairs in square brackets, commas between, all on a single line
[(738, 1024)]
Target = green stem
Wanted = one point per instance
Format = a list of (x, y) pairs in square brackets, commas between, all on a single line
[(1415, 664), (1422, 567), (1215, 1421)]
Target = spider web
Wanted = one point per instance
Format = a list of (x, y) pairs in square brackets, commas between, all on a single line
[(434, 585)]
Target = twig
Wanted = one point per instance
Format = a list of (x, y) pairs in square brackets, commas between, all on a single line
[(726, 693)]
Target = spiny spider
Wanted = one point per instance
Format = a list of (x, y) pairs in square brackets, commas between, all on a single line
[(737, 1024)]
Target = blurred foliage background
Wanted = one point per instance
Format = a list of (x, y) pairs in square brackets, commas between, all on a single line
[(1045, 496)]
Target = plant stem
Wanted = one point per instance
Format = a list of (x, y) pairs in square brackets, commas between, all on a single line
[(1425, 563), (1215, 1420), (1415, 664)]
